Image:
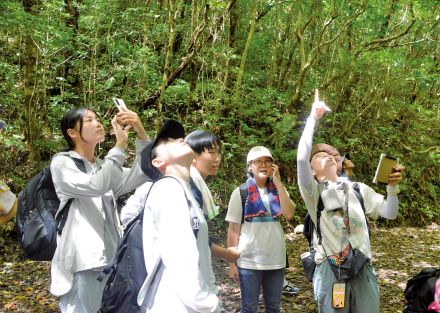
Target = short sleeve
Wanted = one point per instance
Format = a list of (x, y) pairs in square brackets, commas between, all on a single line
[(235, 209)]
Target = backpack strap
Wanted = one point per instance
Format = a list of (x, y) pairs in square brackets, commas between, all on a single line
[(243, 195), (318, 219), (61, 217), (357, 193), (196, 193), (194, 226), (356, 190)]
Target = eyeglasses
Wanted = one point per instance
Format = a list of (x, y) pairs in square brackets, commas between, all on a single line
[(321, 155), (259, 163)]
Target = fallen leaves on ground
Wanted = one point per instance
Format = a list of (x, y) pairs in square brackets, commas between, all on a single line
[(398, 254)]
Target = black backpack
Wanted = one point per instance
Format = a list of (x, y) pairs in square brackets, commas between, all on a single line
[(309, 226), (127, 270), (37, 205), (420, 290)]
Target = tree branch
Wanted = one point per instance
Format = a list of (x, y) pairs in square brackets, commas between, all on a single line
[(381, 41), (193, 48), (267, 9)]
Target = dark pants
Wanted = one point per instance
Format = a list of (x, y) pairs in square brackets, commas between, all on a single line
[(251, 282)]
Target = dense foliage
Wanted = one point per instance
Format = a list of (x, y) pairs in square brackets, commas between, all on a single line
[(245, 69)]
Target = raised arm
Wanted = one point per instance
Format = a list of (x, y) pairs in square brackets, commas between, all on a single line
[(286, 204), (390, 208), (133, 177), (305, 175)]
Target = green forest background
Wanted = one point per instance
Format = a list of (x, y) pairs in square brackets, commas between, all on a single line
[(244, 69)]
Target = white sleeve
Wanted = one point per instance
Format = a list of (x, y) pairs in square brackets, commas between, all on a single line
[(376, 205), (132, 177), (305, 175), (135, 203), (235, 208), (391, 206), (71, 182)]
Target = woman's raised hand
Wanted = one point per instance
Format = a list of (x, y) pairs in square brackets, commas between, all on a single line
[(276, 175), (121, 134), (127, 118)]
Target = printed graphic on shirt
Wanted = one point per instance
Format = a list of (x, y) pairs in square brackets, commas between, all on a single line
[(195, 222)]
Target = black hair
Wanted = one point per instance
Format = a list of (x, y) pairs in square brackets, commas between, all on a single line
[(201, 140), (69, 120)]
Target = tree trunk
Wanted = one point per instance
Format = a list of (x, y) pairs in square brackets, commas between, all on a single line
[(171, 35), (69, 69), (193, 66), (280, 62), (34, 110), (254, 16), (233, 17)]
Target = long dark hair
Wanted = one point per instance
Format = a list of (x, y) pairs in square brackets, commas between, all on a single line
[(69, 120)]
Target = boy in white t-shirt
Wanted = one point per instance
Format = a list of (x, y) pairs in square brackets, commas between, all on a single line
[(171, 216)]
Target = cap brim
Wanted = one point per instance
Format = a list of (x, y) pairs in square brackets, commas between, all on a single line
[(259, 155), (152, 172), (170, 129)]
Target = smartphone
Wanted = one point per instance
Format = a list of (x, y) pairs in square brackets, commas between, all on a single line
[(119, 103)]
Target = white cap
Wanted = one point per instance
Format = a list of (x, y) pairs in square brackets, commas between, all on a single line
[(258, 152)]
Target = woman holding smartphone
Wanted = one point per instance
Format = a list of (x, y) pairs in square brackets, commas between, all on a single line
[(92, 229), (257, 232)]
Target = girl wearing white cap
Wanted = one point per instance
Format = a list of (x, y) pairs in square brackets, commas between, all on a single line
[(256, 230)]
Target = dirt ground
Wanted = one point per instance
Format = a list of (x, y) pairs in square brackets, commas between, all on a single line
[(398, 254)]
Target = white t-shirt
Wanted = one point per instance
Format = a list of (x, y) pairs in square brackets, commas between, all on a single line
[(261, 243), (333, 230), (188, 282)]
